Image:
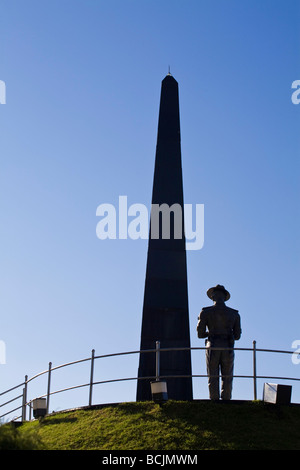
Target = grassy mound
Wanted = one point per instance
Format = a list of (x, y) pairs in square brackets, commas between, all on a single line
[(174, 426)]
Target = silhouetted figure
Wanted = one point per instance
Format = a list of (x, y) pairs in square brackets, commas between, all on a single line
[(221, 326)]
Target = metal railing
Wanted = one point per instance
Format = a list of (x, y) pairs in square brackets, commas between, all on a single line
[(158, 350)]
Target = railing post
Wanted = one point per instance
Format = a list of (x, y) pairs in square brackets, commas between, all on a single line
[(157, 360), (24, 399), (48, 387), (92, 376), (254, 370)]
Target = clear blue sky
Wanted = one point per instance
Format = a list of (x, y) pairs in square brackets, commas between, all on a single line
[(79, 129)]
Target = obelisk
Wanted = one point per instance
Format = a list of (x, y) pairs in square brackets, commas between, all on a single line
[(165, 310)]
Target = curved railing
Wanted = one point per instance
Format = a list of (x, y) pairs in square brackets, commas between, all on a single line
[(91, 383)]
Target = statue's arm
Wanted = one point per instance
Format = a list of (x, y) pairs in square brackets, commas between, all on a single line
[(237, 330), (201, 325)]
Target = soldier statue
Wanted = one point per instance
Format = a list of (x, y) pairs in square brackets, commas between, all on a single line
[(221, 326)]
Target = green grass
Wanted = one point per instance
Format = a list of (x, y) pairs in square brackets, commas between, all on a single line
[(174, 426)]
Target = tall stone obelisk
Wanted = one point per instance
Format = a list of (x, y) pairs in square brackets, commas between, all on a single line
[(165, 311)]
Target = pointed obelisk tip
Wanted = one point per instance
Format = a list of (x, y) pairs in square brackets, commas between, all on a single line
[(168, 76)]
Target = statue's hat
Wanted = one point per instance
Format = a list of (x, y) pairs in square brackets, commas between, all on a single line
[(218, 287)]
